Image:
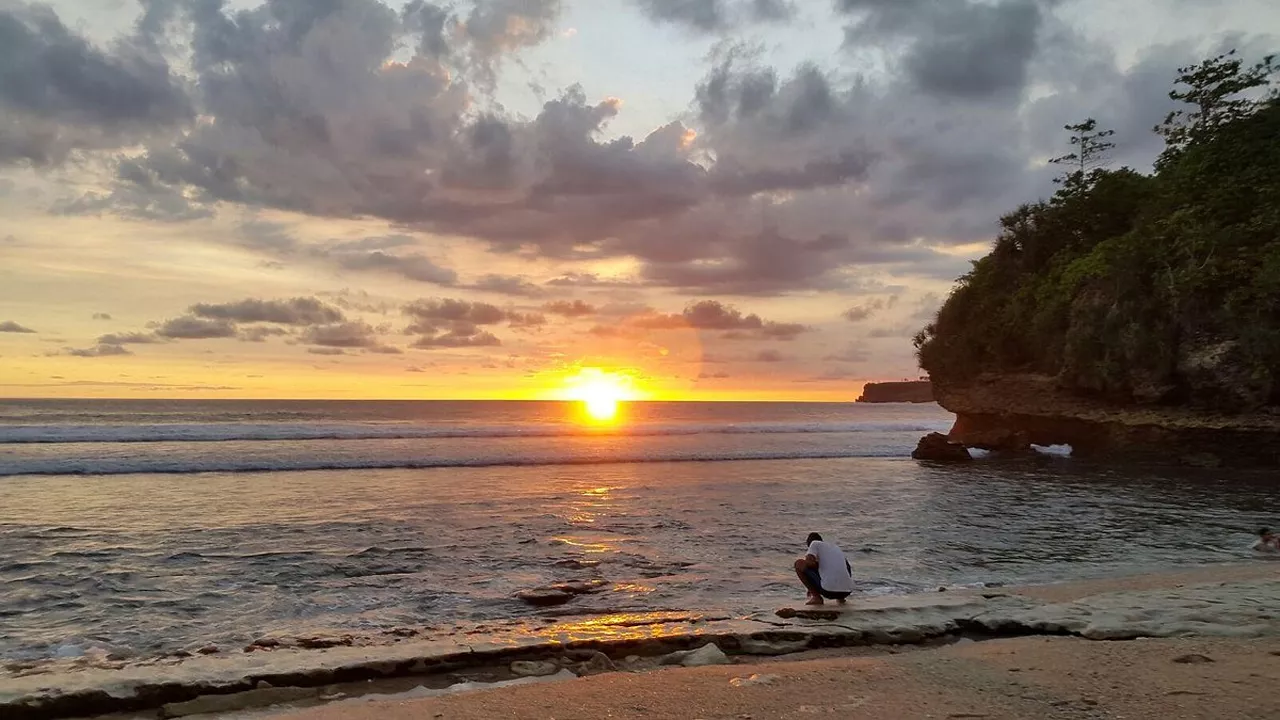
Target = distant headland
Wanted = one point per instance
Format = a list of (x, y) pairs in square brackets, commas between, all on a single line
[(907, 391)]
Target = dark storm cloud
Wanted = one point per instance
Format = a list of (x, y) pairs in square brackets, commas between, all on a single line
[(58, 92), (295, 311), (194, 328), (9, 326), (716, 15)]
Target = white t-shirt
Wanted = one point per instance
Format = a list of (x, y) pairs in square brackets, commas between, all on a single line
[(1267, 547), (831, 567)]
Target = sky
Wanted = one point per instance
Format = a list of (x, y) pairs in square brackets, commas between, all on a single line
[(699, 199)]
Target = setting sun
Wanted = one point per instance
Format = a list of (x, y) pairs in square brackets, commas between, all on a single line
[(600, 391)]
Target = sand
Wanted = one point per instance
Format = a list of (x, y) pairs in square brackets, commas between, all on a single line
[(1220, 677), (1016, 678)]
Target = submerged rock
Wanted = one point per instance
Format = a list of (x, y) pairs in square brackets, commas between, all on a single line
[(938, 447), (534, 668), (544, 597)]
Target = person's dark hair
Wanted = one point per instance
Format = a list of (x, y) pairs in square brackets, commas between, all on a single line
[(813, 538), (1262, 531)]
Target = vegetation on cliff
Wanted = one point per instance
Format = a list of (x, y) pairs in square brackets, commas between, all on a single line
[(1160, 288)]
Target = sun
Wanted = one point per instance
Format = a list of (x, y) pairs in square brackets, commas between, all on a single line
[(600, 392)]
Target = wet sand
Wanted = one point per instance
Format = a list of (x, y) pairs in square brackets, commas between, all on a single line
[(1031, 677), (1015, 678)]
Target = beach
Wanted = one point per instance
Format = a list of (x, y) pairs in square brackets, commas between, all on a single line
[(1188, 641)]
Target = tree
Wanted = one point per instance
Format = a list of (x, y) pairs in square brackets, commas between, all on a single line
[(1218, 89), (1091, 146)]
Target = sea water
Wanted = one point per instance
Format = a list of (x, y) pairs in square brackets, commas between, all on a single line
[(141, 528)]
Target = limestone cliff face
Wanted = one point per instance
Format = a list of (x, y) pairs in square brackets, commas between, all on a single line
[(1009, 412), (916, 391)]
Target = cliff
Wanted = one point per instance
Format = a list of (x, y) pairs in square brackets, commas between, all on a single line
[(1010, 412), (1133, 314), (914, 391)]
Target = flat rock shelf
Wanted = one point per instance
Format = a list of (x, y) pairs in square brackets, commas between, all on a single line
[(1244, 608)]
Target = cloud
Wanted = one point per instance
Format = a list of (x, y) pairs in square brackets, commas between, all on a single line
[(260, 333), (714, 315), (9, 326), (129, 338), (852, 353), (194, 328), (326, 351), (458, 338), (779, 181), (868, 309), (721, 375), (294, 311), (452, 323), (102, 350), (569, 308), (963, 48), (59, 92), (770, 356), (342, 335), (101, 316), (517, 285), (716, 15)]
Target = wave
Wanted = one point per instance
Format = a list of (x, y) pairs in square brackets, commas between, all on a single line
[(263, 432), (233, 464)]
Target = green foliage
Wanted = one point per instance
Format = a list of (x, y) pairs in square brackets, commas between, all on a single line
[(1160, 288)]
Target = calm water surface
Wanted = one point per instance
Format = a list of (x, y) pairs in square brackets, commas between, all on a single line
[(147, 527)]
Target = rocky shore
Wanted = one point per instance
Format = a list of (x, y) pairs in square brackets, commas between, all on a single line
[(913, 391), (1229, 601), (1009, 413)]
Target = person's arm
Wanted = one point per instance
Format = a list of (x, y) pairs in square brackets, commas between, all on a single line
[(810, 559)]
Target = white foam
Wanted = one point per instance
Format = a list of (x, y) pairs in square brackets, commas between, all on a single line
[(1053, 450)]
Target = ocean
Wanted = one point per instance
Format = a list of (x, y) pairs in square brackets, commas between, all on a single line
[(141, 528)]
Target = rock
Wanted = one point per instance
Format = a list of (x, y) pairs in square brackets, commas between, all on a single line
[(206, 704), (754, 680), (709, 654), (209, 650), (910, 391), (808, 613), (580, 587), (1001, 440), (762, 646), (319, 643), (1223, 376), (544, 597), (939, 448), (598, 663), (1193, 659), (534, 668)]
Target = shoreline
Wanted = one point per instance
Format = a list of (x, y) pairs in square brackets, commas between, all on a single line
[(1210, 601)]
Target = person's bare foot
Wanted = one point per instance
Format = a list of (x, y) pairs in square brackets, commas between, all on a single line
[(814, 600)]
